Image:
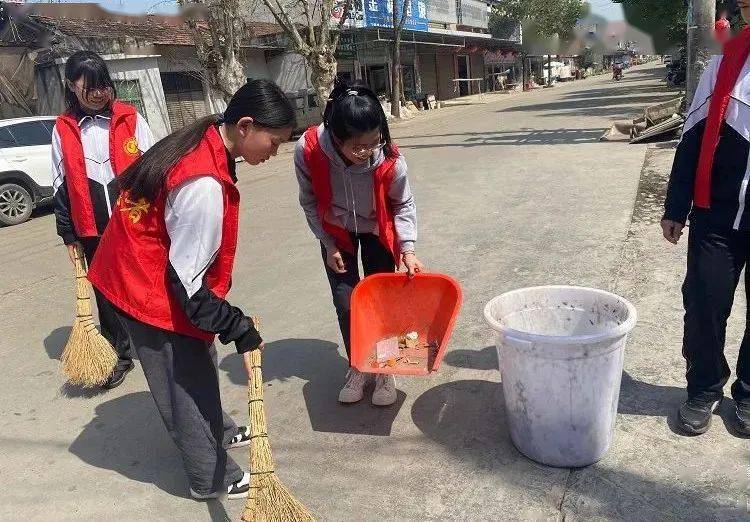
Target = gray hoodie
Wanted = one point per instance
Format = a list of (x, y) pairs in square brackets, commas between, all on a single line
[(353, 205)]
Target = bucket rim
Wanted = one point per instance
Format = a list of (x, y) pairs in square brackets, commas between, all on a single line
[(621, 330)]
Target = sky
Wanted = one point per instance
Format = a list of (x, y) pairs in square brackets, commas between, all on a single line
[(603, 8)]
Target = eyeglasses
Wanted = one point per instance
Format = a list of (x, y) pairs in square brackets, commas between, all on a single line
[(361, 151), (365, 151)]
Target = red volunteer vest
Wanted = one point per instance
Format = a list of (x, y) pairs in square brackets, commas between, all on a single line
[(317, 165), (130, 266), (123, 150)]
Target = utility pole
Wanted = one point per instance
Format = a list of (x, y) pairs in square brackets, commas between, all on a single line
[(700, 26)]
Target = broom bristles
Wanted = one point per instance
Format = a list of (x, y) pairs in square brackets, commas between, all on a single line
[(269, 500), (88, 359)]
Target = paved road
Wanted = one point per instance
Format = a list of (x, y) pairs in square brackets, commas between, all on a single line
[(513, 192)]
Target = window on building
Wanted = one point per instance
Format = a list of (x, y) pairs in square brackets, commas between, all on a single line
[(130, 92), (185, 98)]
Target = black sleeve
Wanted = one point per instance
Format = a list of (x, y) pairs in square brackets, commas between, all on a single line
[(682, 179), (211, 313), (62, 215)]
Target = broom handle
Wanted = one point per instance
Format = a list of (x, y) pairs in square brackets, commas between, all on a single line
[(258, 425), (83, 286)]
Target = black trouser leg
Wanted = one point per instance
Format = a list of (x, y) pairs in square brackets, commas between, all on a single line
[(375, 259), (741, 386), (715, 261), (342, 286), (112, 328), (183, 379)]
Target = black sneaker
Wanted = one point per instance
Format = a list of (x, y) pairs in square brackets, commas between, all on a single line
[(118, 375), (695, 414), (241, 439), (235, 490), (742, 411)]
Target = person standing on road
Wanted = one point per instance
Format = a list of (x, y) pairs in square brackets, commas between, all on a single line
[(709, 183), (93, 142), (165, 263), (355, 195)]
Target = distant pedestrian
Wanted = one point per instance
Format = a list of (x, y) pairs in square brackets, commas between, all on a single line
[(709, 185), (356, 195)]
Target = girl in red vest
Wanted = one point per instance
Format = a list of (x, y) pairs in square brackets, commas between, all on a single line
[(93, 142), (356, 197), (165, 263)]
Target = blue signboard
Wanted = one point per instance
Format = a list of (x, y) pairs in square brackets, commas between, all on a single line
[(379, 13)]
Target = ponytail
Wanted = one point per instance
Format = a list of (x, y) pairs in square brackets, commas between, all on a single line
[(353, 110), (261, 100)]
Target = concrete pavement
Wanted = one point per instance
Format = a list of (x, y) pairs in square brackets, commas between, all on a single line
[(514, 192)]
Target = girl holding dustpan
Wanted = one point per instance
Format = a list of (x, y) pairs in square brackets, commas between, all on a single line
[(356, 197)]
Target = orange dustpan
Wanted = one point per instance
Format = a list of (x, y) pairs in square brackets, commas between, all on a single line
[(384, 306)]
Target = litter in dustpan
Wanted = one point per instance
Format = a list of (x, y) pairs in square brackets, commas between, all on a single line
[(416, 316)]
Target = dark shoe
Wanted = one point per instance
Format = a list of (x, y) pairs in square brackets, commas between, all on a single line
[(742, 411), (241, 439), (118, 375), (695, 414)]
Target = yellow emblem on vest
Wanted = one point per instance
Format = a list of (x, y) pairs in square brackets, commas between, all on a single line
[(135, 209), (131, 146)]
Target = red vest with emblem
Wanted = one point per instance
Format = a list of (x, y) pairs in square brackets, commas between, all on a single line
[(130, 266), (317, 165), (123, 150)]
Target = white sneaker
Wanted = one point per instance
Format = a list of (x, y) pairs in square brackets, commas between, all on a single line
[(385, 390), (235, 490), (354, 389)]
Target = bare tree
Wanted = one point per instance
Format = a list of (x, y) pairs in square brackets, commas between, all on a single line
[(399, 19), (314, 33), (219, 28)]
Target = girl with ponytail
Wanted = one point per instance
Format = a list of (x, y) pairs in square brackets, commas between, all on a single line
[(356, 198), (165, 263)]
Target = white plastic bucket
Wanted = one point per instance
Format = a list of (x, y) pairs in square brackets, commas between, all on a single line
[(560, 350)]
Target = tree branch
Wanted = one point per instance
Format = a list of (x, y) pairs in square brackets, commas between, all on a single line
[(311, 26), (290, 28)]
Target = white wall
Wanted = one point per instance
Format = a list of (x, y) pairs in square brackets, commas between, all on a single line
[(289, 71), (145, 69), (254, 64)]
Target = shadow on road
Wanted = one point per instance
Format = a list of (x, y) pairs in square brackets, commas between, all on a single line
[(485, 359), (514, 137), (127, 436), (320, 364), (468, 419)]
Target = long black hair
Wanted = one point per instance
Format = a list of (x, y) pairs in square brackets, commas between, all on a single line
[(93, 69), (262, 100), (353, 110)]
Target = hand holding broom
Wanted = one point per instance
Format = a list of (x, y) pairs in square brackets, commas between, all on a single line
[(268, 500), (88, 359)]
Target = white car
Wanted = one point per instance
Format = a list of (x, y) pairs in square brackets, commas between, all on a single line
[(25, 166)]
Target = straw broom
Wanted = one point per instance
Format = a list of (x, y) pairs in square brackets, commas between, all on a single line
[(268, 500), (88, 359)]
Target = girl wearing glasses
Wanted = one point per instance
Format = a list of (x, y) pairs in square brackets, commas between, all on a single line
[(93, 142), (356, 198)]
